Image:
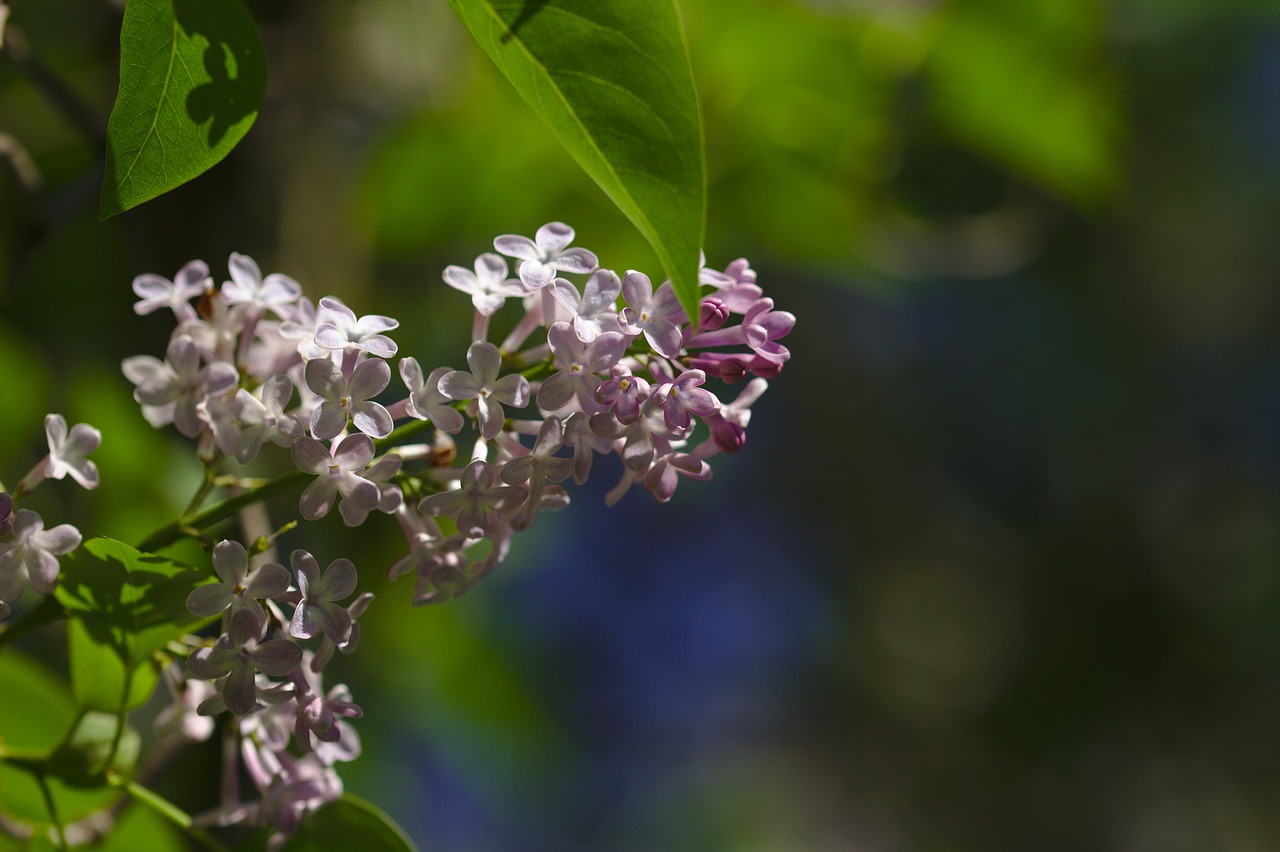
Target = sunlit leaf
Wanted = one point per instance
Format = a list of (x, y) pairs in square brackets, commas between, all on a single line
[(36, 713), (613, 80), (192, 74), (130, 604), (349, 823)]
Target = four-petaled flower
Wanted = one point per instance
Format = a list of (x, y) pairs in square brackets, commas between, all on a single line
[(593, 311), (475, 500), (578, 365), (342, 330), (488, 285), (247, 287), (345, 399), (238, 655), (67, 451), (240, 588), (319, 609), (483, 385), (156, 291), (32, 555), (684, 397), (647, 312), (545, 253), (426, 402), (336, 473)]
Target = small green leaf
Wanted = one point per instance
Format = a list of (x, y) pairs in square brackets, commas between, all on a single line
[(192, 74), (125, 606), (614, 82), (349, 823)]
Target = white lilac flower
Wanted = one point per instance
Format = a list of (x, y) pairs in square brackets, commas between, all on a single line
[(351, 399), (318, 608), (477, 499), (265, 419), (594, 311), (483, 385), (339, 329), (156, 291), (578, 364), (545, 253), (240, 588), (647, 312), (256, 294), (67, 450), (488, 286), (426, 402), (238, 655), (336, 474), (179, 380), (32, 555)]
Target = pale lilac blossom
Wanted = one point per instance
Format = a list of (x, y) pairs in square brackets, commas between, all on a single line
[(337, 473), (426, 402), (240, 588), (594, 311), (578, 364), (155, 291), (238, 655), (488, 286), (648, 312), (545, 253), (67, 451), (684, 397), (477, 499), (181, 381), (484, 386), (256, 294), (318, 609), (32, 555), (344, 399), (339, 329), (265, 419)]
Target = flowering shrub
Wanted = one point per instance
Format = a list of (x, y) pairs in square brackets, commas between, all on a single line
[(462, 459)]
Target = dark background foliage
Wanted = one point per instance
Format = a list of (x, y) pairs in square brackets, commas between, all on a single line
[(998, 568)]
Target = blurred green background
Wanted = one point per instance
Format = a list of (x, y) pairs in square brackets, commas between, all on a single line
[(1000, 565)]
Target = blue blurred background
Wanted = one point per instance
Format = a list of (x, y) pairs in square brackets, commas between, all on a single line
[(999, 568)]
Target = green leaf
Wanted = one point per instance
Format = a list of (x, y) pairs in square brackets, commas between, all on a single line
[(36, 713), (614, 82), (125, 606), (349, 823), (192, 74)]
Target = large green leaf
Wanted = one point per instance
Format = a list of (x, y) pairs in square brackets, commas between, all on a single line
[(613, 80), (192, 74), (126, 605)]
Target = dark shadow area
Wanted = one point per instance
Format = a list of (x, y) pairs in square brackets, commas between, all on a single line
[(237, 71), (527, 11)]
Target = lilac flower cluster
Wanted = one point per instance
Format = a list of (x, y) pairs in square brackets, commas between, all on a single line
[(29, 552), (606, 364)]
